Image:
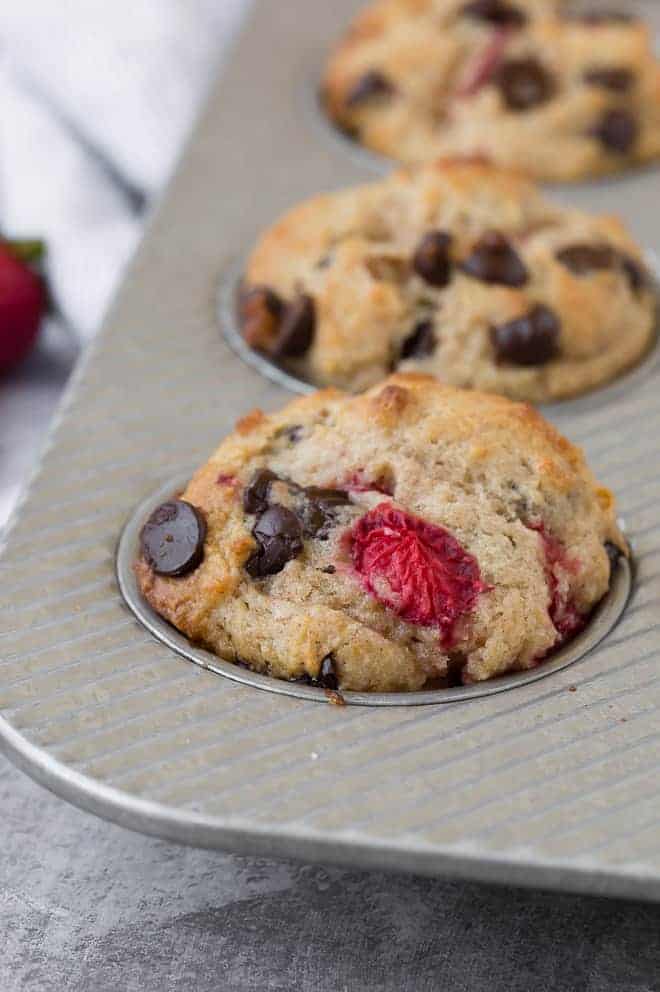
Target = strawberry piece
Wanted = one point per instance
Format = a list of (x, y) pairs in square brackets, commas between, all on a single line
[(416, 569), (482, 67), (22, 301), (567, 620)]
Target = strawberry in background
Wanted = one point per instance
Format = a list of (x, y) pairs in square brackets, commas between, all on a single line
[(23, 299)]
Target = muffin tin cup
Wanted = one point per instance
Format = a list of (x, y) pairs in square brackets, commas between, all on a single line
[(603, 620), (606, 394)]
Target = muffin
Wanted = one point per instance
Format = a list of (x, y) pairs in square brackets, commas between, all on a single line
[(458, 269), (522, 82), (414, 536)]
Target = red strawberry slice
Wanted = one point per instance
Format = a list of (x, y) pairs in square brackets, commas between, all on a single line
[(22, 300), (567, 620), (482, 67), (416, 569)]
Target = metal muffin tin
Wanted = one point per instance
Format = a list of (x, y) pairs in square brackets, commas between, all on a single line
[(555, 784), (602, 622)]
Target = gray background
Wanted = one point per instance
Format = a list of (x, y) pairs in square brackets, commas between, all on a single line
[(89, 907)]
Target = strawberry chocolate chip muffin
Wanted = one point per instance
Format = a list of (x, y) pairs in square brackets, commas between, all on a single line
[(457, 268), (526, 83), (416, 535)]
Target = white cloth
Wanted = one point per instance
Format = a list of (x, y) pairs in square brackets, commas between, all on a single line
[(96, 98)]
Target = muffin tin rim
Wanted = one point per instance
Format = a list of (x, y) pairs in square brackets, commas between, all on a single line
[(604, 619), (608, 392)]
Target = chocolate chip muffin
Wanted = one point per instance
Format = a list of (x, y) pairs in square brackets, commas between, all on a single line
[(458, 269), (415, 535), (519, 81)]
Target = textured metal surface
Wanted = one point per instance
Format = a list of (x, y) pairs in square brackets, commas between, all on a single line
[(602, 623), (542, 786)]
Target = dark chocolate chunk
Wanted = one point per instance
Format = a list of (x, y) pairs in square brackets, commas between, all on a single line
[(617, 130), (260, 311), (279, 537), (583, 258), (319, 510), (373, 85), (524, 83), (296, 329), (529, 340), (329, 569), (494, 260), (613, 553), (327, 677), (456, 664), (421, 342), (172, 540), (494, 12), (635, 273), (431, 260), (255, 497), (295, 433), (618, 80)]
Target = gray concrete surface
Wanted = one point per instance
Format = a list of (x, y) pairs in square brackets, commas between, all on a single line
[(88, 907)]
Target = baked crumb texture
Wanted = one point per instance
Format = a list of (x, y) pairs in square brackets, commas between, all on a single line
[(458, 269), (521, 82), (413, 536)]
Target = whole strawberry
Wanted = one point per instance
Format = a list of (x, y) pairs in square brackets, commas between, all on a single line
[(23, 299)]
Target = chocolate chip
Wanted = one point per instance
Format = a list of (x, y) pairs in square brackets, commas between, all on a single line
[(529, 340), (494, 12), (431, 260), (583, 257), (617, 130), (260, 311), (635, 273), (255, 497), (373, 85), (614, 554), (329, 569), (455, 667), (295, 434), (421, 342), (524, 83), (172, 540), (618, 80), (296, 329), (493, 260), (278, 534), (319, 510), (327, 677)]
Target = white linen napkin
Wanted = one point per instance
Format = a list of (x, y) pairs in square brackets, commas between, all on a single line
[(95, 101)]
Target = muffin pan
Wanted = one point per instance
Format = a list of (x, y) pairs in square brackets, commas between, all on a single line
[(555, 784), (603, 620)]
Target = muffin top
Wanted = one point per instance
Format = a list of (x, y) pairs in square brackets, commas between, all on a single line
[(456, 268), (384, 542), (519, 81)]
